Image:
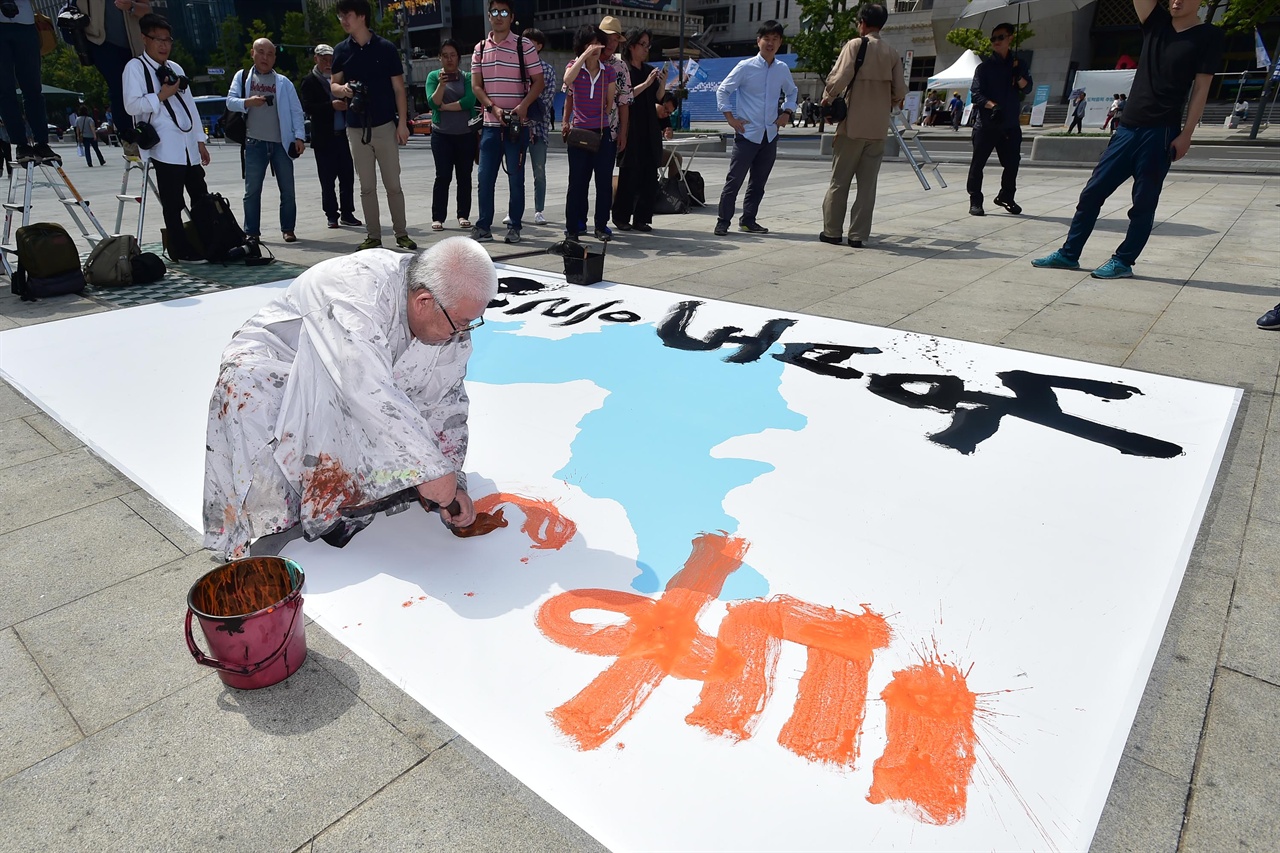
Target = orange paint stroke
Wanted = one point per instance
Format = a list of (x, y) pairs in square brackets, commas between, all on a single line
[(659, 638), (545, 526), (927, 763), (826, 720), (485, 523)]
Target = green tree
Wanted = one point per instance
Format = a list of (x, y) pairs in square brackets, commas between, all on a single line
[(63, 69), (227, 55), (976, 40), (296, 57), (258, 29), (825, 27), (1241, 16)]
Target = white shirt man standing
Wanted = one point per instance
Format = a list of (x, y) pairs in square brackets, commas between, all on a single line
[(759, 84), (275, 131)]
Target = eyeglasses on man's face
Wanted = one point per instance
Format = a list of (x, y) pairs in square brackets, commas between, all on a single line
[(1000, 37), (499, 13), (160, 40), (457, 331)]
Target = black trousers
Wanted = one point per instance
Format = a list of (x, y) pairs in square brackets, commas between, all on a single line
[(1077, 123), (333, 163), (171, 180), (455, 155), (637, 183), (1007, 143)]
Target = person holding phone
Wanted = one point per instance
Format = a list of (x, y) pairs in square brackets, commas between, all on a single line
[(453, 139), (1179, 58), (638, 177)]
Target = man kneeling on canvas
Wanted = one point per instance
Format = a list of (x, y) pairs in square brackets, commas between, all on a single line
[(346, 390)]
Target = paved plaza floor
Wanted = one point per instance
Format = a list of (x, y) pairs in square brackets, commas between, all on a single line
[(111, 738)]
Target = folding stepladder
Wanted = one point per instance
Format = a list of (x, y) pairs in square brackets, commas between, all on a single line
[(124, 197), (907, 134), (52, 176)]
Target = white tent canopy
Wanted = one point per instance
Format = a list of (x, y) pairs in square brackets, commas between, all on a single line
[(959, 75)]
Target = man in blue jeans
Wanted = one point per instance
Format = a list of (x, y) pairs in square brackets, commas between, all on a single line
[(1179, 55), (504, 93), (759, 83), (275, 131), (20, 63)]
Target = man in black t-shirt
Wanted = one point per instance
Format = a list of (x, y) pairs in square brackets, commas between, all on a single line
[(1179, 56), (377, 120)]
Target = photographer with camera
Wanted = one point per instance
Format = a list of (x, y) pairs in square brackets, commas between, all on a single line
[(868, 74), (506, 77), (996, 85), (329, 141), (113, 37), (368, 74), (20, 52), (275, 133), (157, 94)]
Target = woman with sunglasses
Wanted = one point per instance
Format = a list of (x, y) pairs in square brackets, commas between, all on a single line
[(638, 177), (588, 101)]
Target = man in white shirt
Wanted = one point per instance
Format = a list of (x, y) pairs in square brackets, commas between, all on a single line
[(344, 391), (275, 131), (760, 83), (180, 154)]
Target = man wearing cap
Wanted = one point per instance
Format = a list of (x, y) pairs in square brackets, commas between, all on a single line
[(620, 115), (275, 133), (329, 140)]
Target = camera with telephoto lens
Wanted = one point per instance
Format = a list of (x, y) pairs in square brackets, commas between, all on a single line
[(246, 252), (8, 8), (167, 76), (359, 94)]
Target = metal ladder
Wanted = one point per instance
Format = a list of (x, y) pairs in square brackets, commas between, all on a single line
[(124, 197), (906, 134), (53, 177)]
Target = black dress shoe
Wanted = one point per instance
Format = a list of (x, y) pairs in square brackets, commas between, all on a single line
[(835, 241), (1009, 205), (46, 154), (722, 229), (643, 226), (351, 220), (856, 244), (622, 226), (976, 210)]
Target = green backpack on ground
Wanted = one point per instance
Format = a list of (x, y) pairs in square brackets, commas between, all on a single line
[(110, 264), (48, 263)]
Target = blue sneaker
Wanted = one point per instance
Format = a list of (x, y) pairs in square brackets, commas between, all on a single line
[(1113, 268), (1056, 261), (1270, 320)]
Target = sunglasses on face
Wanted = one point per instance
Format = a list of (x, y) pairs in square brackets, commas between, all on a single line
[(1001, 37), (499, 13)]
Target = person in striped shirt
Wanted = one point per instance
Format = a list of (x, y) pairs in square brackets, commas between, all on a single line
[(501, 88)]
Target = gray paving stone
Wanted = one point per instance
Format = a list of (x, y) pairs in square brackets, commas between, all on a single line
[(984, 324), (87, 657), (1143, 812), (6, 323), (1235, 802), (1208, 323), (20, 443), (13, 404), (165, 522), (1090, 325), (1143, 297), (1166, 730), (448, 803), (48, 487), (1065, 347), (395, 706), (48, 310), (1254, 621), (46, 565), (788, 296), (53, 431), (35, 723), (1014, 293), (208, 768), (1222, 363), (856, 313)]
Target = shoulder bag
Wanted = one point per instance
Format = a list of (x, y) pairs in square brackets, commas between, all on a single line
[(838, 110)]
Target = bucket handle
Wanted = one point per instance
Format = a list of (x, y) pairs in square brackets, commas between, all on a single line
[(206, 660)]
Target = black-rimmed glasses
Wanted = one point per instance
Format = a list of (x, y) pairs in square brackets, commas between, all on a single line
[(470, 327)]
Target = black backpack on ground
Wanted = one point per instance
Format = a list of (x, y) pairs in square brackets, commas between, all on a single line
[(218, 230), (672, 196), (697, 189), (48, 263)]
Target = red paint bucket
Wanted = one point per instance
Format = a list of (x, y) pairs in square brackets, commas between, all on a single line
[(251, 614)]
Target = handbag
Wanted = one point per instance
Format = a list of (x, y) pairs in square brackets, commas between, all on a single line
[(838, 110), (583, 139)]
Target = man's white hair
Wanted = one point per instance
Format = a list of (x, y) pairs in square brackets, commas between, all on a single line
[(455, 269)]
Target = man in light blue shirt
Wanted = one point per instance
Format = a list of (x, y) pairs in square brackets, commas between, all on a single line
[(760, 84)]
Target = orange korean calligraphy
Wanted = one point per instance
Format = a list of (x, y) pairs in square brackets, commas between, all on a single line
[(930, 755), (544, 524)]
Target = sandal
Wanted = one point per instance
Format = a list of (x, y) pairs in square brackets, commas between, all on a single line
[(463, 222), (437, 226)]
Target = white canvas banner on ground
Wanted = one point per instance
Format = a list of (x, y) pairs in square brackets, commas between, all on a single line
[(768, 581), (1100, 88)]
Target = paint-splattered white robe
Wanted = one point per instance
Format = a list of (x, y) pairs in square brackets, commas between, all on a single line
[(324, 401)]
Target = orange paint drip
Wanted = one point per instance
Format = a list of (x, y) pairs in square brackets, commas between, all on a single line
[(660, 638), (545, 526), (826, 721), (930, 755)]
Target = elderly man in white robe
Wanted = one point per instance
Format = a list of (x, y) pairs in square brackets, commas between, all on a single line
[(345, 395)]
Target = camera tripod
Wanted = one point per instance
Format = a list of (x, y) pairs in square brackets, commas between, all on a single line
[(55, 178)]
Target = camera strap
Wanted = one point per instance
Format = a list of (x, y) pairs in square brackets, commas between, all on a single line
[(169, 106)]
